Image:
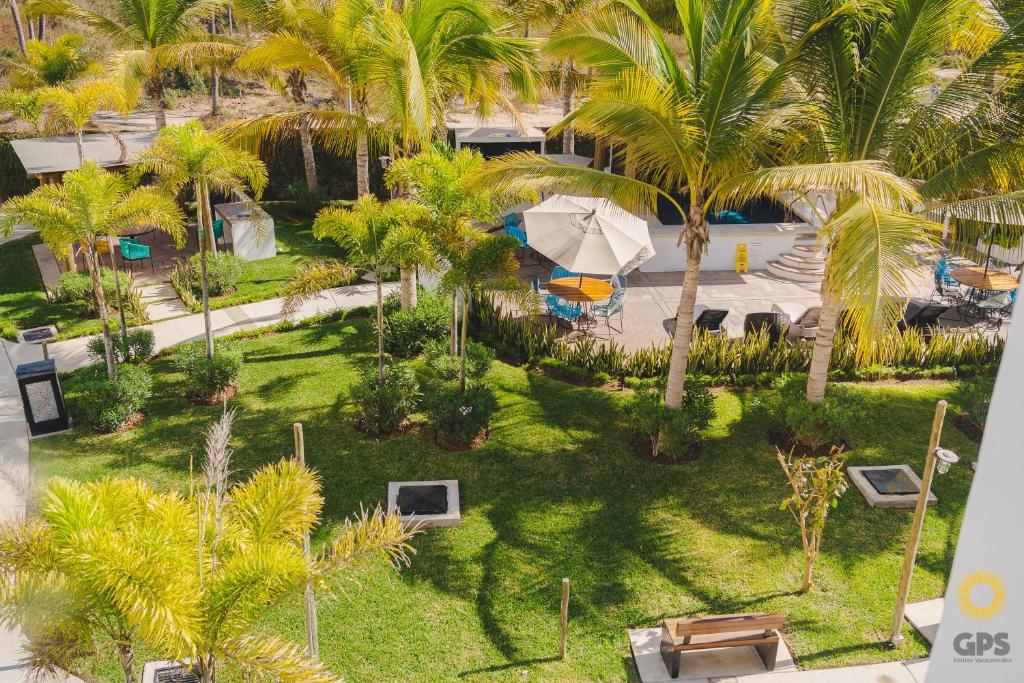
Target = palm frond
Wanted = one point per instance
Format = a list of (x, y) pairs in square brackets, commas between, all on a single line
[(311, 280)]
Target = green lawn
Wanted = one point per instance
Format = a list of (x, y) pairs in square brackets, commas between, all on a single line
[(556, 491), (267, 278)]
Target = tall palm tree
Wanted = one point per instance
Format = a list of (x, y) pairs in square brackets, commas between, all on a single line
[(377, 238), (146, 34), (92, 204), (691, 121), (189, 155), (19, 27), (70, 107), (401, 70), (962, 147)]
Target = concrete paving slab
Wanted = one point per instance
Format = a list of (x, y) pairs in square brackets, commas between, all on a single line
[(925, 616), (704, 666), (49, 268), (890, 672), (918, 668)]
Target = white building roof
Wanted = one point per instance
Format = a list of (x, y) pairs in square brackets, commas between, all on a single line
[(58, 153)]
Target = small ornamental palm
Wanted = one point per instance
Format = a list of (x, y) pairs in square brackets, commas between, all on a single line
[(46, 64), (190, 155), (70, 107), (378, 237), (690, 123), (92, 204)]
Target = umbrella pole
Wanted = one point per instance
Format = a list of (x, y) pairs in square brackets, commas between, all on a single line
[(988, 256)]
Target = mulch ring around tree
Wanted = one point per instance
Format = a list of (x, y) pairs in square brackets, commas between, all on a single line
[(643, 450), (217, 399), (786, 443), (407, 428), (971, 430), (458, 446), (133, 421)]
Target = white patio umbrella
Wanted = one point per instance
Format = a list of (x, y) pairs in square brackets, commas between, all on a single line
[(588, 234)]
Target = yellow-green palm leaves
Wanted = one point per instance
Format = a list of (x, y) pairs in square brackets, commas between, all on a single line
[(46, 64), (70, 107)]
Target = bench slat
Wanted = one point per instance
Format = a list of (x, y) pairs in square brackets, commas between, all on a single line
[(726, 623)]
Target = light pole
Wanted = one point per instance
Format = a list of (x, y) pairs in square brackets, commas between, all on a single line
[(937, 459)]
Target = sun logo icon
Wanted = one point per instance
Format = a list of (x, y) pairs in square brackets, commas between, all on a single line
[(968, 596)]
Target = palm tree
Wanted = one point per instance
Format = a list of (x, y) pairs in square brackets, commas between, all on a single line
[(72, 105), (24, 106), (189, 155), (92, 204), (377, 237), (53, 63), (94, 564), (147, 34), (960, 147), (691, 122), (442, 181), (401, 70), (19, 28)]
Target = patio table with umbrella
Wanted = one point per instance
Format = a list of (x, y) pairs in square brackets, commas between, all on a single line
[(587, 235)]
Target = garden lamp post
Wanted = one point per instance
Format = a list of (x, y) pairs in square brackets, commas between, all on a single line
[(939, 460)]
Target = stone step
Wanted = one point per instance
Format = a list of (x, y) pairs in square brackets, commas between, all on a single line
[(787, 272), (801, 262), (808, 251)]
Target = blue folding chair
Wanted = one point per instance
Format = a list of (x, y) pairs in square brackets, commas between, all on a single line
[(560, 309), (511, 221), (559, 272), (616, 302), (618, 281)]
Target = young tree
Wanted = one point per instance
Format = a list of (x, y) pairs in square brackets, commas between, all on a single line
[(377, 238), (92, 204), (401, 70), (693, 116), (817, 484), (189, 155), (46, 64), (72, 105)]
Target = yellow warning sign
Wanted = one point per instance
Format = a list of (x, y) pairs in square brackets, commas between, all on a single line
[(741, 257)]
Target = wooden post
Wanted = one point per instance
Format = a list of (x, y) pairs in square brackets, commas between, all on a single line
[(46, 351), (565, 618), (312, 629), (903, 593)]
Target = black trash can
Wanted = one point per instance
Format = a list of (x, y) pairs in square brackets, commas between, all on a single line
[(42, 398)]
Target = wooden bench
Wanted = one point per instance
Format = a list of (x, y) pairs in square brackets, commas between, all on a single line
[(760, 631)]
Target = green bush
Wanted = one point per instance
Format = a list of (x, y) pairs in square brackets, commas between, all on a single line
[(209, 378), (676, 433), (445, 366), (407, 332), (973, 398), (382, 409), (8, 330), (76, 287), (223, 271), (135, 348), (813, 424), (459, 418), (103, 404)]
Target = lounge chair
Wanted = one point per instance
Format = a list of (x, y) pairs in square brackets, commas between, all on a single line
[(709, 319), (923, 315), (775, 323), (803, 320)]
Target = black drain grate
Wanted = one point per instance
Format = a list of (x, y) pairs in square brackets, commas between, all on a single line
[(424, 499)]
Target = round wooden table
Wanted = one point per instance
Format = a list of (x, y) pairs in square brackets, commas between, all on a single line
[(976, 278), (588, 291)]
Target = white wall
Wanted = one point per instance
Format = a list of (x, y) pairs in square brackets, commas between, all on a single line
[(765, 241)]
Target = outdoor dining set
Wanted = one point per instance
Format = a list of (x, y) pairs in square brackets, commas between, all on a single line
[(978, 294)]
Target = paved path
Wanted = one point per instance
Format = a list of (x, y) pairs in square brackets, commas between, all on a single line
[(71, 354)]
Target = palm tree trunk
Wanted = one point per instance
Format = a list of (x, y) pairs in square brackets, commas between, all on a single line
[(117, 288), (568, 137), (203, 213), (696, 231), (817, 375), (599, 154), (101, 304), (19, 28), (41, 31), (81, 149), (214, 76), (453, 347), (31, 29), (462, 351), (380, 328), (297, 88), (124, 651), (157, 91), (362, 164), (407, 278)]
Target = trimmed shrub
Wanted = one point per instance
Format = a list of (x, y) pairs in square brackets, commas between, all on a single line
[(459, 418), (559, 369), (382, 409), (135, 348), (813, 424), (209, 378), (445, 366), (973, 398), (407, 332), (76, 287), (106, 405), (223, 271), (666, 432), (8, 330)]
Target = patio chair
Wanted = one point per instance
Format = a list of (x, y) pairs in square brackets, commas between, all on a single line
[(218, 231), (535, 285), (616, 302), (922, 315), (803, 320), (775, 324), (560, 309), (709, 319), (618, 281), (512, 221), (132, 251), (942, 273), (996, 307), (559, 271)]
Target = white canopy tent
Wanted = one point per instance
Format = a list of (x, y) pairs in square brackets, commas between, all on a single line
[(588, 234)]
